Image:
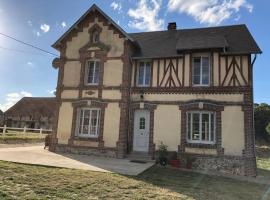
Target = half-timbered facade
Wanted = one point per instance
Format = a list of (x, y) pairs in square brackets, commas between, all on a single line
[(191, 89)]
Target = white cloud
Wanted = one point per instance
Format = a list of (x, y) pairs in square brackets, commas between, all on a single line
[(51, 91), (211, 12), (30, 64), (116, 6), (145, 16), (13, 98), (45, 28), (29, 22), (63, 24)]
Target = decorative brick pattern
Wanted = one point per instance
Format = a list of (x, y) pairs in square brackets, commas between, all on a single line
[(125, 101)]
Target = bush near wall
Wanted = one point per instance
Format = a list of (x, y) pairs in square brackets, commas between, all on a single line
[(261, 120)]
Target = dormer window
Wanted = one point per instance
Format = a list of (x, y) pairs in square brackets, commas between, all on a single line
[(95, 36)]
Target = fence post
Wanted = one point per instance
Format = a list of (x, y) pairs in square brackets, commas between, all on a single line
[(40, 131), (4, 130), (24, 131)]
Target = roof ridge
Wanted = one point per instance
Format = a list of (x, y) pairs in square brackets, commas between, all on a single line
[(201, 28)]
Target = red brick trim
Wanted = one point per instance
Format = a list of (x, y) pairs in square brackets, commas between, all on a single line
[(249, 151), (125, 100), (192, 90)]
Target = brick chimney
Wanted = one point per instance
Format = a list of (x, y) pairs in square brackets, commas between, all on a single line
[(171, 26)]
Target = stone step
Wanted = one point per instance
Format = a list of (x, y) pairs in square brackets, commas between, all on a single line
[(140, 156)]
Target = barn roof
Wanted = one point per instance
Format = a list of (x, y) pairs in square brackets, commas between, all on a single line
[(33, 106)]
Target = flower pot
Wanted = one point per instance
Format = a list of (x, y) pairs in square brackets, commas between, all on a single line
[(175, 163), (163, 161), (189, 166)]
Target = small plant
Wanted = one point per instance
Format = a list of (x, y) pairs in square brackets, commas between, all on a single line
[(189, 161), (162, 154)]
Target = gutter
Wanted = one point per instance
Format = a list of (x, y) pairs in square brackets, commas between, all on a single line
[(254, 59)]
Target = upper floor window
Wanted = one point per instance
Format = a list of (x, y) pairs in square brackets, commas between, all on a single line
[(201, 127), (92, 73), (201, 71), (95, 36), (144, 74), (88, 125)]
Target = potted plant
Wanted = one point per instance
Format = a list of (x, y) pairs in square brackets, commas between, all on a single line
[(189, 161), (174, 162), (162, 154)]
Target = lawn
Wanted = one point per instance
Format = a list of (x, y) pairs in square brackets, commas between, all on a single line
[(20, 137), (18, 181), (263, 160)]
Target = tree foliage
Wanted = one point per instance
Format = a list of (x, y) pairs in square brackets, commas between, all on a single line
[(268, 128), (262, 120)]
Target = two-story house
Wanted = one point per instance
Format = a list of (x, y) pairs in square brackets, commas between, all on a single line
[(191, 89)]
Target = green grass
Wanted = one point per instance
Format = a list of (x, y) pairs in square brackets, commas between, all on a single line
[(19, 181), (19, 137), (263, 161)]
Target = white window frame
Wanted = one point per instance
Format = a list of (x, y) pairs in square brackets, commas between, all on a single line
[(94, 72), (90, 118), (209, 66), (144, 74), (200, 141)]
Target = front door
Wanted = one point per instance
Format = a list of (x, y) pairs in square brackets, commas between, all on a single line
[(141, 130)]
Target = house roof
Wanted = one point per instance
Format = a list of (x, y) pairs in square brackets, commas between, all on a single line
[(34, 106), (92, 8), (234, 39)]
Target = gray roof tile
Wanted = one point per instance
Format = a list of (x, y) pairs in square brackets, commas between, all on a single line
[(237, 40)]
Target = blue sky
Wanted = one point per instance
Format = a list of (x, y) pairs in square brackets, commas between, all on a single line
[(27, 72)]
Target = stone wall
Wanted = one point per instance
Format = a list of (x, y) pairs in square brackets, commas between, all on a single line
[(104, 152), (224, 164)]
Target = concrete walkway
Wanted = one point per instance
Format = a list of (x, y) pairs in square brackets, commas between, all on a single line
[(37, 155)]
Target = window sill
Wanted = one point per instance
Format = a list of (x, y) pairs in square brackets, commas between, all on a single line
[(95, 139), (201, 145), (96, 84), (142, 86), (200, 85)]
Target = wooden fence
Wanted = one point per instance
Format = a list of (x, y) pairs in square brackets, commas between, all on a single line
[(25, 130)]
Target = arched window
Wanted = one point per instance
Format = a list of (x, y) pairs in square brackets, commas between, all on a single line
[(95, 36)]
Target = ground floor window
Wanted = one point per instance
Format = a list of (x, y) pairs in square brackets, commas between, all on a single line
[(201, 127), (88, 125)]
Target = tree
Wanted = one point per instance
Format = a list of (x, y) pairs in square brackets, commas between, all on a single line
[(268, 128), (261, 120)]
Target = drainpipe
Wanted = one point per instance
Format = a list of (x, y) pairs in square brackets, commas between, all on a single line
[(253, 126), (129, 103)]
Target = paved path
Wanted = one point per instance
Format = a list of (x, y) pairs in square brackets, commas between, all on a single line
[(37, 155)]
